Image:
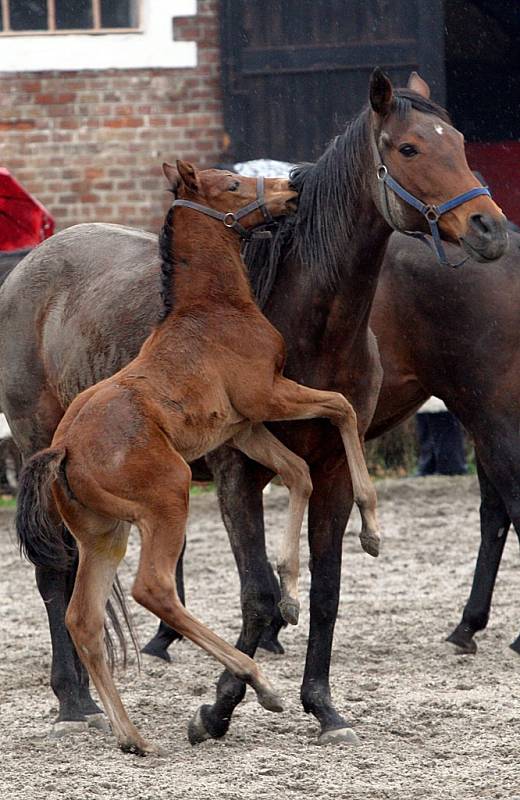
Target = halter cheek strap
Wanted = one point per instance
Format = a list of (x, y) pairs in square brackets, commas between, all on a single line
[(231, 218), (431, 213)]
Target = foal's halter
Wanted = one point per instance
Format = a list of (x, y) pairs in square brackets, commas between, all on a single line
[(231, 218), (431, 213)]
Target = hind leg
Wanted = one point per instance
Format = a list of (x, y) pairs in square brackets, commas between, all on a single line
[(162, 536), (164, 636), (69, 679), (259, 444), (494, 527), (99, 556)]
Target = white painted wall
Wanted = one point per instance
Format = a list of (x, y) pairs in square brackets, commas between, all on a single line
[(153, 47)]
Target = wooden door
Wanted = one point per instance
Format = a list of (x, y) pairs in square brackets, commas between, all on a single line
[(294, 71)]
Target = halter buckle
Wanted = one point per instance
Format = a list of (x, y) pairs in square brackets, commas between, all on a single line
[(229, 216), (431, 214), (382, 172)]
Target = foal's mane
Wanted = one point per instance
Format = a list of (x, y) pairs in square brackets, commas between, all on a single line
[(166, 253), (328, 205)]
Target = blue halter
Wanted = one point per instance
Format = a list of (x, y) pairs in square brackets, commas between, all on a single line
[(431, 213)]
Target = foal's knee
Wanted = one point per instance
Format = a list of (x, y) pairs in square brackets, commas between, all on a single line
[(345, 414), (297, 477)]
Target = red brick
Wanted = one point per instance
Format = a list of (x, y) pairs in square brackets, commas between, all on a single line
[(93, 142)]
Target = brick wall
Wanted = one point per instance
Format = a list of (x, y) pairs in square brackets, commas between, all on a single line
[(90, 145)]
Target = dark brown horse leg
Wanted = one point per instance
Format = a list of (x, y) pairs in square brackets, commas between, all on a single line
[(69, 679), (329, 510), (494, 526), (239, 484), (259, 444)]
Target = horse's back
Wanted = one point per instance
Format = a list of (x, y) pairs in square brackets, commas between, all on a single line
[(74, 310)]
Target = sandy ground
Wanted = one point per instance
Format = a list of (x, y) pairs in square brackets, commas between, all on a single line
[(431, 724)]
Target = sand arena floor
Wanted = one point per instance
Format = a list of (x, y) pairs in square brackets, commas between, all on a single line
[(432, 724)]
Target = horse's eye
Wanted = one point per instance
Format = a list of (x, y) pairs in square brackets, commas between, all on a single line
[(234, 186), (408, 150)]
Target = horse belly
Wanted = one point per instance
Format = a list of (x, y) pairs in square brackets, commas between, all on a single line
[(198, 437)]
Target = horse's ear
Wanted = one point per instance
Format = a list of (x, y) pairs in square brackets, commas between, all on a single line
[(188, 175), (171, 175), (381, 92), (416, 84)]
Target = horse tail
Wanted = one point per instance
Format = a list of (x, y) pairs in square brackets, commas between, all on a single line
[(39, 533)]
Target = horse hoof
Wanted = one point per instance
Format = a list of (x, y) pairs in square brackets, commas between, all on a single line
[(516, 646), (156, 651), (197, 731), (99, 722), (339, 736), (462, 646), (67, 727), (140, 748), (272, 645), (370, 542), (290, 610), (270, 700)]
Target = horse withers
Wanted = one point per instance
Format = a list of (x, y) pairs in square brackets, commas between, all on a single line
[(210, 373)]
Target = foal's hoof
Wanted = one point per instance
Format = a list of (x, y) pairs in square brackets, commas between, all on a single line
[(370, 542), (290, 610), (269, 699), (464, 643), (197, 731), (156, 650), (99, 722), (141, 748), (339, 736), (67, 727)]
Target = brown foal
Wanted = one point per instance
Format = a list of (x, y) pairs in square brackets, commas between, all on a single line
[(211, 372)]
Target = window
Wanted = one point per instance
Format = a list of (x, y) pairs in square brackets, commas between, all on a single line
[(61, 16)]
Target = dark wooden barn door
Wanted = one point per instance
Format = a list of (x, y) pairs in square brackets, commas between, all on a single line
[(294, 71)]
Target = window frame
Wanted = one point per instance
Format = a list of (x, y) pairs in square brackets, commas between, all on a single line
[(51, 30)]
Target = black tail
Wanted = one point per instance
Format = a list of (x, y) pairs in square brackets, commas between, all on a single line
[(119, 655), (40, 532)]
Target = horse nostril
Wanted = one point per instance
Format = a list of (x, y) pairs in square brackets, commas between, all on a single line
[(483, 223)]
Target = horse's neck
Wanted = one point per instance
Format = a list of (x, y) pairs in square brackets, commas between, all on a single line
[(342, 311), (208, 269), (359, 272)]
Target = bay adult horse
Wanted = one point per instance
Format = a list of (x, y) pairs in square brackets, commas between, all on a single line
[(472, 361), (102, 281), (209, 373)]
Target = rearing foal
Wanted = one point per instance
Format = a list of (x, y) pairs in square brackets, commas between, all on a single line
[(210, 373)]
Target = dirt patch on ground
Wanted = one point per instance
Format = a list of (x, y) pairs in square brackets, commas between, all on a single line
[(431, 724)]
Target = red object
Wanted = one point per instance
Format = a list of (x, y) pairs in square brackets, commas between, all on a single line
[(499, 163), (24, 222)]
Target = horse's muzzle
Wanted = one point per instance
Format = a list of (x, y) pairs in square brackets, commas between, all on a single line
[(486, 238)]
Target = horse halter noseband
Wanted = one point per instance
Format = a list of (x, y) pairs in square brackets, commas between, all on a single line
[(431, 213), (231, 218)]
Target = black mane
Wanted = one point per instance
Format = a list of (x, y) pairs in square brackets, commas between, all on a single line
[(167, 265), (329, 192)]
